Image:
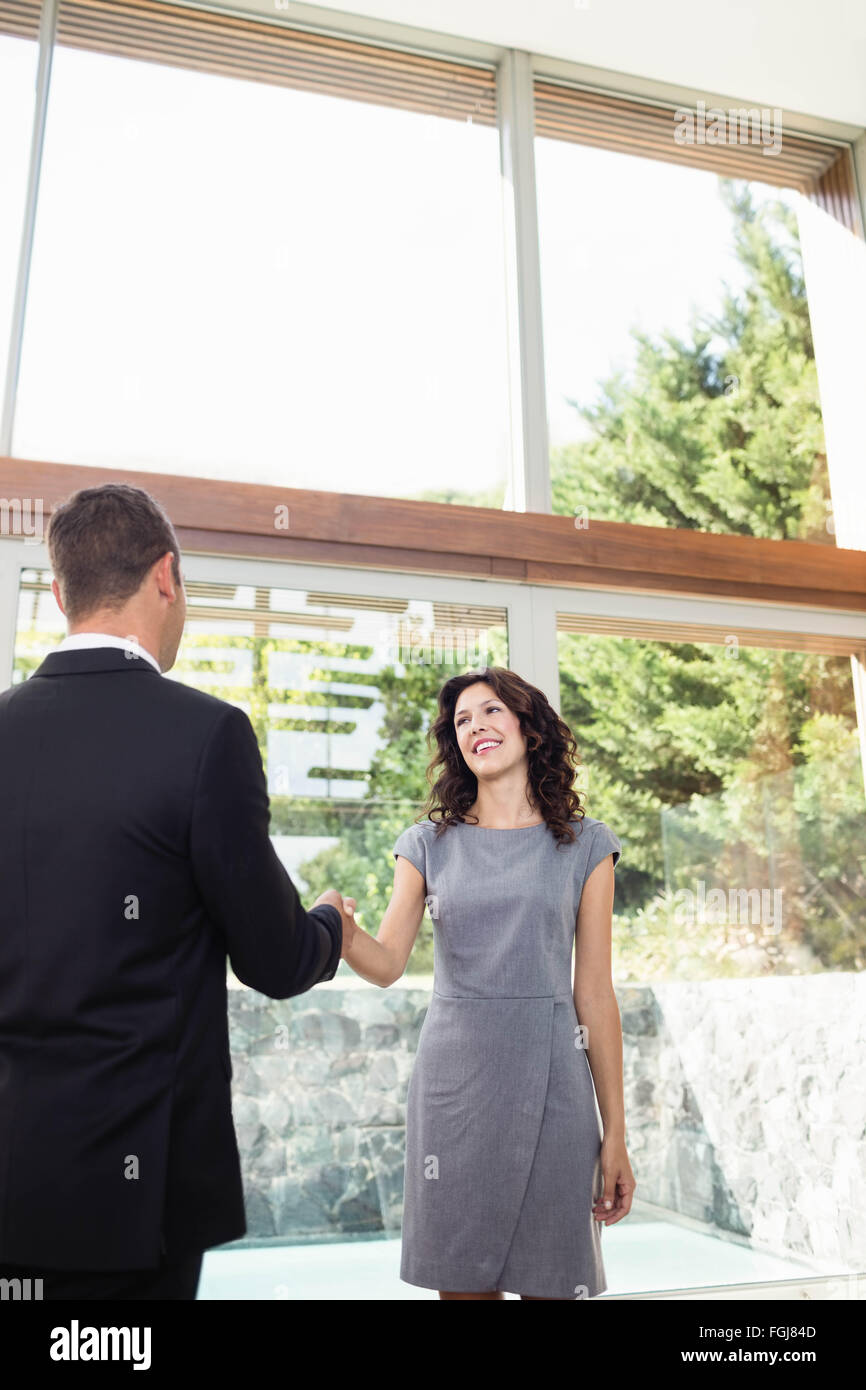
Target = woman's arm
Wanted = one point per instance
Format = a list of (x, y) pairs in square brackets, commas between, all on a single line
[(598, 1013), (594, 997), (382, 958)]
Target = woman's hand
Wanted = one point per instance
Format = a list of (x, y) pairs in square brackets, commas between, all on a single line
[(619, 1184), (349, 925)]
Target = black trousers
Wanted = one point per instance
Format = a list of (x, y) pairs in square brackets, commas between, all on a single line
[(176, 1279)]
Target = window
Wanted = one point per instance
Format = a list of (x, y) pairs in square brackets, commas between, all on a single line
[(732, 769), (262, 271), (18, 58), (681, 382), (339, 688), (729, 766)]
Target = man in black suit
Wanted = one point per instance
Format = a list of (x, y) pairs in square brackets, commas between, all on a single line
[(134, 856)]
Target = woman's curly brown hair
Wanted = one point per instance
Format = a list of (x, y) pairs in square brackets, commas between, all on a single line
[(550, 746)]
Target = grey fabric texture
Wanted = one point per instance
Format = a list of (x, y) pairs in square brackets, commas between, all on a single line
[(502, 1134)]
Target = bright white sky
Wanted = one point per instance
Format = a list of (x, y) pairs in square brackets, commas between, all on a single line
[(236, 280)]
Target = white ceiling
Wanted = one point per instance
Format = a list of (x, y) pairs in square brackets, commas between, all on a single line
[(794, 54)]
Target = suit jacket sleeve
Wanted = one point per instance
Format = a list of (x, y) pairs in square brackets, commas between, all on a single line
[(274, 945)]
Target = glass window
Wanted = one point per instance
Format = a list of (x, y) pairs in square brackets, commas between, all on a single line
[(681, 381), (740, 791), (238, 280), (18, 60), (340, 690), (733, 776)]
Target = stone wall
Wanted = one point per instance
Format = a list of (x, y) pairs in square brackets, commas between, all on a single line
[(318, 1094), (745, 1106)]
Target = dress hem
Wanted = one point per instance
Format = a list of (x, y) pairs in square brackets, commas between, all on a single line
[(450, 1284)]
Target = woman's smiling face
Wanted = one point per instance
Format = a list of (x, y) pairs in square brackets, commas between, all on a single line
[(488, 735)]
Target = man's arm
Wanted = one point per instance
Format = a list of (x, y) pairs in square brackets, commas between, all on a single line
[(274, 945)]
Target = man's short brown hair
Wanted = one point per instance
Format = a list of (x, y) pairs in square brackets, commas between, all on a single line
[(102, 541)]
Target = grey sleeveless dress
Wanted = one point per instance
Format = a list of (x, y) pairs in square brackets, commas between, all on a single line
[(502, 1135)]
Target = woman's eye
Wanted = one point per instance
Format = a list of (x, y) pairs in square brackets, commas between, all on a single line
[(462, 719)]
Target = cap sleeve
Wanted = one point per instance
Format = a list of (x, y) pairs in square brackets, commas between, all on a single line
[(603, 843), (412, 845)]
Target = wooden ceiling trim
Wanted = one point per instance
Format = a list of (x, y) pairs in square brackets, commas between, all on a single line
[(382, 532)]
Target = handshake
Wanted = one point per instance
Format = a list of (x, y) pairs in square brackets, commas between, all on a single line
[(346, 908)]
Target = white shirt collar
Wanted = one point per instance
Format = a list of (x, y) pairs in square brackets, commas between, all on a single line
[(79, 640)]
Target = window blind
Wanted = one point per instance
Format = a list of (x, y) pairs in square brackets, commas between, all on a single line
[(257, 50), (821, 169), (20, 18), (657, 630)]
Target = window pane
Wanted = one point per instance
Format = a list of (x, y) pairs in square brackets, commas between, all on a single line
[(244, 281), (18, 60), (733, 777), (742, 780), (340, 689), (681, 379)]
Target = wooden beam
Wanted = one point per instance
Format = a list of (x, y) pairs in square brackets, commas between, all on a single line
[(223, 517)]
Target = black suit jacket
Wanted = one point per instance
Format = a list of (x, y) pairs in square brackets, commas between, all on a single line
[(134, 855)]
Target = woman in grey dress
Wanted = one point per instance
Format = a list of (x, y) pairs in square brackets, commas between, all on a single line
[(508, 1178)]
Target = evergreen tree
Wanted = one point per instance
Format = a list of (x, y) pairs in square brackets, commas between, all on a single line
[(729, 441)]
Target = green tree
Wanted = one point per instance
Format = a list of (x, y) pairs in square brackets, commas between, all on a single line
[(728, 441)]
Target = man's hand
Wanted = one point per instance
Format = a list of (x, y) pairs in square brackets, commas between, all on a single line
[(346, 908)]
